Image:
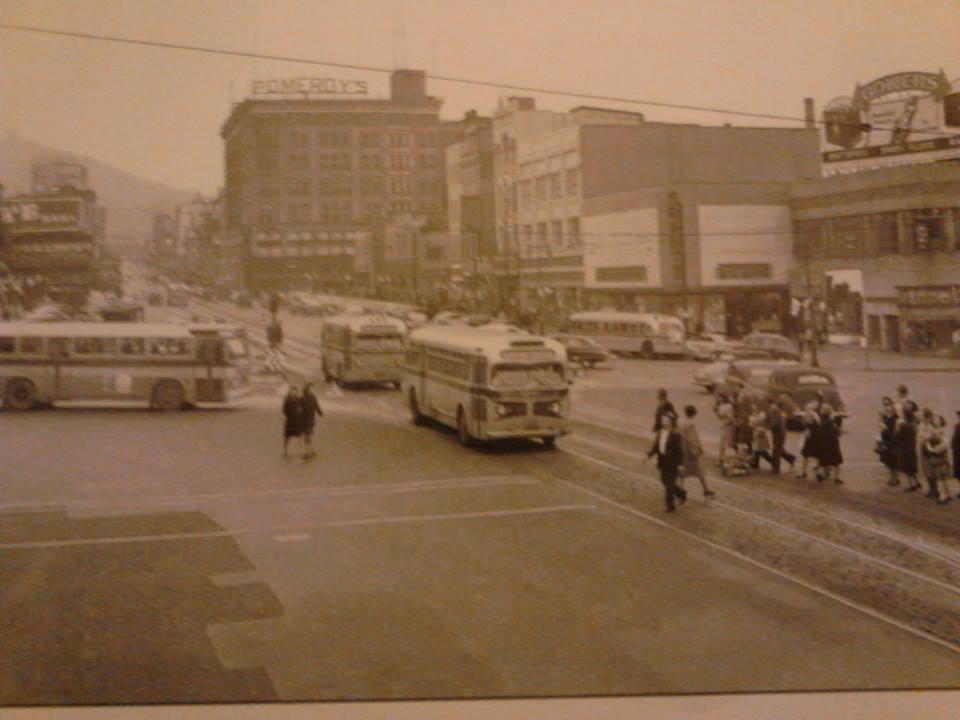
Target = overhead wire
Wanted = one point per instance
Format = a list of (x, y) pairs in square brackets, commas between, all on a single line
[(442, 78)]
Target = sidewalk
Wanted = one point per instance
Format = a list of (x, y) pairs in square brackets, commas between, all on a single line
[(850, 357)]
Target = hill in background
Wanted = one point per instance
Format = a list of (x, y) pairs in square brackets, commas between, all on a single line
[(130, 200)]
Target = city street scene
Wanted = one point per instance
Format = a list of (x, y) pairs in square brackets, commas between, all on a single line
[(445, 351)]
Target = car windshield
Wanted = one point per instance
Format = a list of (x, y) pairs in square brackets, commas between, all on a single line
[(813, 379), (758, 376), (378, 342), (526, 376)]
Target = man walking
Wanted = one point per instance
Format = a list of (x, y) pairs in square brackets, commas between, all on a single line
[(664, 407), (310, 410), (292, 418), (668, 449)]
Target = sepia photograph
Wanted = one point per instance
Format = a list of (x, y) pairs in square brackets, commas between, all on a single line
[(479, 358)]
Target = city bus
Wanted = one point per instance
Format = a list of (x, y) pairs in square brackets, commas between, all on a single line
[(236, 341), (627, 333), (488, 384), (165, 366), (362, 348)]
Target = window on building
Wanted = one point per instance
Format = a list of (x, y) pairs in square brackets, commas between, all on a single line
[(526, 193), (427, 138), (333, 138), (882, 227), (573, 181), (399, 139), (268, 163), (625, 273), (399, 207), (540, 241), (400, 186), (400, 162), (573, 233), (370, 139), (371, 162), (429, 161), (928, 230), (540, 188), (298, 162), (268, 141), (556, 185), (556, 233), (300, 212), (268, 190), (299, 139), (299, 187), (372, 211), (334, 186), (527, 246), (371, 186), (267, 215), (848, 236)]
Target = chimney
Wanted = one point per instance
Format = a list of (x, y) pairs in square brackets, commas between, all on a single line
[(810, 117), (408, 85), (522, 103)]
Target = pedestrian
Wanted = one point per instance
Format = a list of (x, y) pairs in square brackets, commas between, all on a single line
[(761, 442), (831, 457), (809, 449), (924, 431), (275, 334), (668, 449), (728, 439), (938, 459), (742, 410), (885, 446), (955, 450), (310, 410), (664, 407), (903, 399), (777, 424), (905, 442), (955, 339), (693, 464), (292, 418)]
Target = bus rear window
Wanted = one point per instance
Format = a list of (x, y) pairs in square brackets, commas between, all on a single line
[(526, 376), (378, 342)]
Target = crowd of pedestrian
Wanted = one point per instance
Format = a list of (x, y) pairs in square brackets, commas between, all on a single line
[(912, 444)]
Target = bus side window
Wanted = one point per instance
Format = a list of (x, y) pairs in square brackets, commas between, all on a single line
[(8, 345), (31, 346), (131, 346), (58, 348)]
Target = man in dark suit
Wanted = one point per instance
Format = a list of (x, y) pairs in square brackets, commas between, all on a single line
[(668, 449), (664, 407)]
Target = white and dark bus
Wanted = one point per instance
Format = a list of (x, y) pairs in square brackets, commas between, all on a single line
[(166, 366), (362, 349), (488, 384), (627, 333)]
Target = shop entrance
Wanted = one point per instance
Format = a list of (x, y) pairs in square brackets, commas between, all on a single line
[(891, 333)]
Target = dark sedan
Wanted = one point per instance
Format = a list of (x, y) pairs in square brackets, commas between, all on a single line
[(582, 350), (792, 386)]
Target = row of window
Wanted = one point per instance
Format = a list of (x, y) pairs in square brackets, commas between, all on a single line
[(270, 216), (270, 162), (552, 186), (94, 346), (888, 233), (537, 239), (403, 185), (340, 137)]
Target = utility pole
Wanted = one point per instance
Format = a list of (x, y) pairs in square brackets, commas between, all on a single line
[(810, 315)]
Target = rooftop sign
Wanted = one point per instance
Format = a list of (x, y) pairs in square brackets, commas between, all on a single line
[(307, 86)]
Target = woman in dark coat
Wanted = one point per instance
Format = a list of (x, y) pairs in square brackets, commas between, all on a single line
[(886, 448), (905, 442), (831, 458), (293, 418), (810, 450)]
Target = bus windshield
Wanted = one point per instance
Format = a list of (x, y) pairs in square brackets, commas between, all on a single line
[(236, 350), (378, 342), (527, 376)]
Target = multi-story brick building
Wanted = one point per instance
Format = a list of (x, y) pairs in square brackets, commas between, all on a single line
[(310, 179), (899, 230)]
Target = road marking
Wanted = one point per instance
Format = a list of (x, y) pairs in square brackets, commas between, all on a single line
[(288, 529), (779, 573), (292, 537), (477, 481), (909, 542)]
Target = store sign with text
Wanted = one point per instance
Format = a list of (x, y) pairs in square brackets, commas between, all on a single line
[(42, 213), (929, 296), (307, 86)]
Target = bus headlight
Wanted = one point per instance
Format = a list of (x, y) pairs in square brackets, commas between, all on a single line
[(502, 410)]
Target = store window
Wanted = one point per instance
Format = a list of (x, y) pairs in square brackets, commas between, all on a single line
[(928, 230), (882, 228), (299, 162)]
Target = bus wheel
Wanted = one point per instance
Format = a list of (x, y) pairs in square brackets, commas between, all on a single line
[(327, 377), (647, 350), (338, 379), (21, 394), (463, 432), (415, 408), (549, 441), (167, 395)]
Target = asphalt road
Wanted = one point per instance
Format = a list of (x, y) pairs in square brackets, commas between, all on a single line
[(152, 557)]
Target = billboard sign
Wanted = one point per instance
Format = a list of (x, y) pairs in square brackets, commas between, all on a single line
[(36, 213), (895, 115), (307, 86), (51, 176)]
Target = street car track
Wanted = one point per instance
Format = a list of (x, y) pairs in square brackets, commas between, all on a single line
[(954, 647)]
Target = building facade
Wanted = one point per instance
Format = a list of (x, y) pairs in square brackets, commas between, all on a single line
[(309, 180), (898, 230)]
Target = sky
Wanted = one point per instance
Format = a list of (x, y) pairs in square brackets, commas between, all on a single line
[(158, 112)]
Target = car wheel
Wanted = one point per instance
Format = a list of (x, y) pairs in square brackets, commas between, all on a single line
[(167, 395), (549, 441), (21, 394)]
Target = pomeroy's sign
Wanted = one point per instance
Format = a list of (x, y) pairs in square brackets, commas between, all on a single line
[(310, 86)]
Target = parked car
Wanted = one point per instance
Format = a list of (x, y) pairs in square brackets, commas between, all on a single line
[(766, 345), (449, 317), (504, 327), (792, 385), (712, 376), (582, 350), (709, 347)]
